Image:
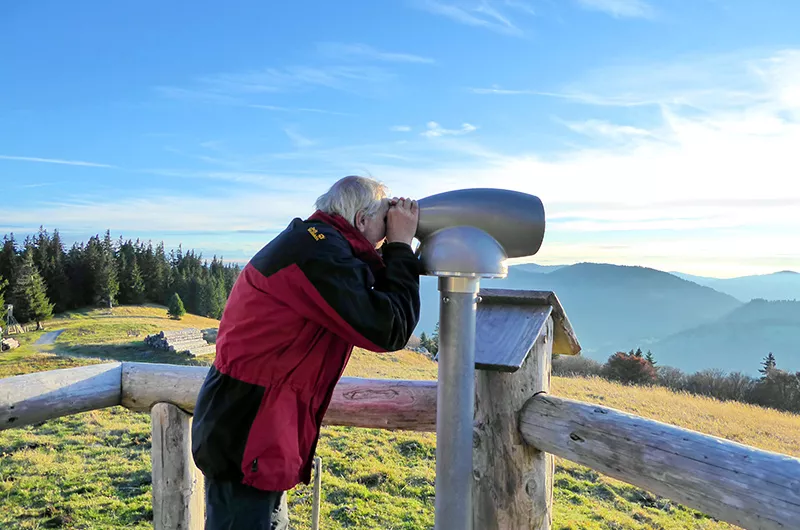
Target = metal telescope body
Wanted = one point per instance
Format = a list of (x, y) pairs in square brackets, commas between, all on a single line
[(466, 235)]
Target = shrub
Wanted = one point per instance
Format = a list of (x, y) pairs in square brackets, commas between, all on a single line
[(628, 368), (576, 366), (671, 377), (710, 382), (176, 309)]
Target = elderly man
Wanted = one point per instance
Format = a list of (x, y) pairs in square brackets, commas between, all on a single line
[(344, 277)]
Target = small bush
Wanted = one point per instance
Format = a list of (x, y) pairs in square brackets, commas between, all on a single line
[(176, 309), (576, 366), (671, 377), (627, 368)]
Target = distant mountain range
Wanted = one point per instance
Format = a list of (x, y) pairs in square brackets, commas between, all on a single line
[(688, 322), (783, 285), (738, 341)]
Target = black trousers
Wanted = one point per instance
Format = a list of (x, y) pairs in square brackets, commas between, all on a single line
[(235, 506)]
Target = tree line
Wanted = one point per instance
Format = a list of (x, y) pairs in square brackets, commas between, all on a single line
[(41, 277), (774, 388)]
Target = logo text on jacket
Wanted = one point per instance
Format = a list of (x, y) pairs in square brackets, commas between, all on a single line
[(316, 235)]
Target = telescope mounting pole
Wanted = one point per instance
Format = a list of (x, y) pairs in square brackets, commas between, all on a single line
[(466, 235), (455, 402)]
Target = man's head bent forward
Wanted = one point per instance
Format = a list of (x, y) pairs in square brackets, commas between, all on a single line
[(362, 201)]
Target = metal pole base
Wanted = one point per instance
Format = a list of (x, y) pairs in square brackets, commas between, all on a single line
[(455, 403)]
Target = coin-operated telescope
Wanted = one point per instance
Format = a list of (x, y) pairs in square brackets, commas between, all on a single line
[(466, 235), (471, 232)]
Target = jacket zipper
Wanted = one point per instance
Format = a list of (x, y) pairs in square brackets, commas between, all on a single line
[(254, 466)]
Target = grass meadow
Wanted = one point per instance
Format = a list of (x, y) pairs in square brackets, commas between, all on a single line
[(92, 470)]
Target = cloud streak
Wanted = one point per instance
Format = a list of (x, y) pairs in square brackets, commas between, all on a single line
[(346, 51), (435, 130), (298, 139), (487, 14), (244, 89), (54, 161), (620, 8), (503, 91), (605, 130)]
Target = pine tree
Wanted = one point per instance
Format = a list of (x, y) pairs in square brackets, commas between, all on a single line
[(56, 276), (649, 358), (80, 276), (768, 364), (213, 297), (103, 281), (9, 260), (3, 285), (48, 257), (135, 285), (107, 278), (176, 309), (423, 341), (638, 353), (434, 341), (124, 261), (30, 294)]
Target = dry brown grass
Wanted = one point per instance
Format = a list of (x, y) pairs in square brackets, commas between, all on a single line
[(770, 430)]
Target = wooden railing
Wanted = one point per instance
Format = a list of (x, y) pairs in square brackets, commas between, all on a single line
[(518, 427)]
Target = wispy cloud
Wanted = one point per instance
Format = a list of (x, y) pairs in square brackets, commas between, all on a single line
[(205, 96), (276, 108), (503, 91), (607, 130), (435, 130), (722, 81), (34, 185), (400, 128), (245, 88), (298, 139), (357, 51), (620, 8), (273, 80), (54, 161), (235, 210), (487, 14)]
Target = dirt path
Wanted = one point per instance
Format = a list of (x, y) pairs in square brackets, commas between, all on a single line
[(48, 338)]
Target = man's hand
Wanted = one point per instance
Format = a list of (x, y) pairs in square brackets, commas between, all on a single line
[(402, 220)]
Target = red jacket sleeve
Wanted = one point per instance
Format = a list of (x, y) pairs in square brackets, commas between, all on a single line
[(345, 299)]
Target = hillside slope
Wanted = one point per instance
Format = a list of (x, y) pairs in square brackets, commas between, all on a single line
[(738, 341), (784, 285), (611, 307), (92, 470)]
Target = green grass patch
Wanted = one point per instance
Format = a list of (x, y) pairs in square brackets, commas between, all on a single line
[(92, 470)]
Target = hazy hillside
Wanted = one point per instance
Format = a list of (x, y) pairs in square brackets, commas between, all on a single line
[(611, 307), (533, 267), (783, 285), (738, 341)]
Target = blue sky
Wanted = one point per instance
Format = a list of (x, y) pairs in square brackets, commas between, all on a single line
[(657, 133)]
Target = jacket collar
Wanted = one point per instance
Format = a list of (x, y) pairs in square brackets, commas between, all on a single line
[(362, 248)]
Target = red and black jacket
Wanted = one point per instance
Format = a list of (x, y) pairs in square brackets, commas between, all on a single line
[(288, 329)]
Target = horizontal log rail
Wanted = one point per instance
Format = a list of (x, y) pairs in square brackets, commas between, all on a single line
[(32, 398), (393, 404), (732, 482), (41, 396)]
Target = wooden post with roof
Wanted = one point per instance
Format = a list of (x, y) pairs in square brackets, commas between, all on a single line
[(517, 333)]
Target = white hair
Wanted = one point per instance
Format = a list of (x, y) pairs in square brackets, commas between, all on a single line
[(353, 194)]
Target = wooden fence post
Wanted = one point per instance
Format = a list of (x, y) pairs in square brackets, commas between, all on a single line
[(513, 482), (178, 486)]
